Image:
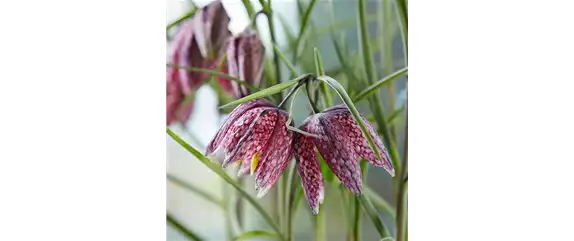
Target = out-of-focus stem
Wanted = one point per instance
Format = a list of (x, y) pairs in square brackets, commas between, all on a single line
[(403, 186), (269, 14), (320, 226), (375, 100)]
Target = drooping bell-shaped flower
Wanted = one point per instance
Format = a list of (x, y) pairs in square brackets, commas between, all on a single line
[(245, 56), (196, 44), (211, 23), (256, 136), (177, 108), (341, 144), (180, 82)]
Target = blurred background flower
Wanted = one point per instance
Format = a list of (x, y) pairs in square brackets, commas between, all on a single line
[(342, 61)]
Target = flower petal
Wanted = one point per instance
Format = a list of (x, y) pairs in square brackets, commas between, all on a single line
[(233, 117), (348, 130), (309, 170), (338, 153), (275, 157), (370, 156), (254, 140)]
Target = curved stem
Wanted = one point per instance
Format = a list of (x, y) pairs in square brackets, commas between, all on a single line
[(375, 101), (269, 14), (177, 225), (402, 200), (309, 97), (220, 172)]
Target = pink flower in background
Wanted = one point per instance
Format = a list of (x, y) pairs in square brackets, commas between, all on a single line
[(256, 135), (211, 25), (198, 43), (341, 144), (245, 56)]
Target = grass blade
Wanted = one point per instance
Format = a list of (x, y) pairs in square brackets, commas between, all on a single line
[(380, 202), (282, 57), (321, 71), (262, 93), (374, 87), (373, 215), (349, 103), (255, 234), (215, 73), (403, 16), (207, 196), (220, 172), (304, 23), (190, 14), (177, 225), (375, 101)]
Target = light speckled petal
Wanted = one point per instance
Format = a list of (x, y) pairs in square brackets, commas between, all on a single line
[(233, 117), (255, 138), (275, 157), (370, 156), (338, 154), (245, 55), (309, 170), (212, 23)]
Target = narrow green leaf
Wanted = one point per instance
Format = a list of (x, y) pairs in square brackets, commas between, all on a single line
[(249, 8), (254, 234), (177, 225), (220, 172), (380, 202), (321, 71), (302, 132), (290, 36), (374, 87), (303, 27), (282, 57), (373, 215), (190, 14), (215, 73), (207, 196), (395, 114), (403, 14), (349, 103), (262, 93), (388, 239)]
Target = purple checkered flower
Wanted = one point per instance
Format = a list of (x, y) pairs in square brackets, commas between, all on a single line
[(211, 29), (255, 136), (342, 145), (245, 56)]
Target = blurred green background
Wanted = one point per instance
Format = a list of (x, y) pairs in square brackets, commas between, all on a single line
[(206, 218)]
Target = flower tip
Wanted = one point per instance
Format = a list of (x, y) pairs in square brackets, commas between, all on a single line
[(315, 210), (262, 191)]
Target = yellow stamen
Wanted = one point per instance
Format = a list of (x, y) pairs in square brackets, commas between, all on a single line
[(254, 162)]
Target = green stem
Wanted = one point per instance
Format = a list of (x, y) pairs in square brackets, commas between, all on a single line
[(403, 14), (269, 13), (310, 98), (220, 172), (356, 220), (320, 226), (177, 225), (215, 73), (182, 18), (380, 202), (402, 200), (304, 22), (207, 196), (249, 8), (375, 100), (385, 18)]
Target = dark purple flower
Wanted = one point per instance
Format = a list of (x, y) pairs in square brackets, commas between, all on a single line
[(245, 56), (341, 144), (211, 23), (198, 43), (255, 134)]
